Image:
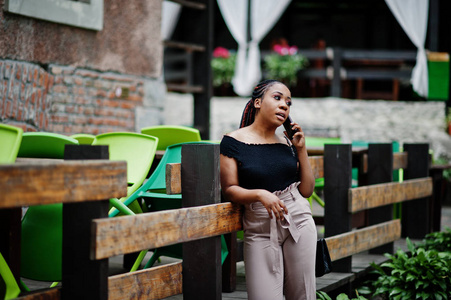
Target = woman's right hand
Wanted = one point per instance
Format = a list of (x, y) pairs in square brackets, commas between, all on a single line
[(273, 204)]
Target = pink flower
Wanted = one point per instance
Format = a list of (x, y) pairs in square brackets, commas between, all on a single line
[(293, 50), (278, 49), (221, 52), (285, 50)]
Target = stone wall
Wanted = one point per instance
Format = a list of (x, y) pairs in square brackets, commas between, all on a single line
[(374, 121)]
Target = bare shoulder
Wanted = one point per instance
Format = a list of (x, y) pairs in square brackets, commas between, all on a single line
[(239, 134)]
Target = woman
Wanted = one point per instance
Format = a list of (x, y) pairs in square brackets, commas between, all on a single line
[(271, 176)]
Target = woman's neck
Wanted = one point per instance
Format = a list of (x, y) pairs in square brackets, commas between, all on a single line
[(263, 134)]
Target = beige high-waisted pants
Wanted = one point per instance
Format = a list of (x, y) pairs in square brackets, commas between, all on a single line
[(279, 257)]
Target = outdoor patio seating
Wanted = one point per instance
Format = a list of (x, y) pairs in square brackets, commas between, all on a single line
[(172, 134), (138, 150), (9, 288), (44, 145), (41, 237), (11, 138), (84, 138), (153, 192)]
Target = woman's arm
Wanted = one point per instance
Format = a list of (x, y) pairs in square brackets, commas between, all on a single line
[(235, 193), (305, 170), (306, 174)]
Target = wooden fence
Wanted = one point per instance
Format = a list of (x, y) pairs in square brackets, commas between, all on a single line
[(203, 219)]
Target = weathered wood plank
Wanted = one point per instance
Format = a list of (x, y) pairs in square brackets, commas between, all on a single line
[(317, 164), (353, 242), (26, 184), (50, 294), (173, 174), (155, 283), (173, 179), (153, 230), (400, 160), (377, 195)]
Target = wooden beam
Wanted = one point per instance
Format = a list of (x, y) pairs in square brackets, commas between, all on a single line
[(400, 160), (353, 242), (173, 174), (376, 195), (49, 294), (155, 283), (190, 4), (128, 234), (173, 179), (27, 184), (184, 46), (317, 164)]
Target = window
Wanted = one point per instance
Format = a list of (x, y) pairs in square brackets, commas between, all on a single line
[(83, 13)]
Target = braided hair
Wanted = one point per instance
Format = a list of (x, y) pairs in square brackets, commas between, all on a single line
[(249, 111)]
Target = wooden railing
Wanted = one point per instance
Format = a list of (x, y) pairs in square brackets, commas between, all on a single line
[(199, 224)]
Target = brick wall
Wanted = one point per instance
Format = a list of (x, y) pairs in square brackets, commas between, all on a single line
[(68, 100)]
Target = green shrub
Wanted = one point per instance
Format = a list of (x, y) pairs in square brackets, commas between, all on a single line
[(425, 275), (439, 241)]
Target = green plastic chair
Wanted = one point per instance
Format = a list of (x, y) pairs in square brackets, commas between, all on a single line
[(10, 138), (319, 142), (153, 191), (138, 150), (42, 225), (41, 254), (42, 242), (44, 145), (9, 289), (172, 134), (84, 138)]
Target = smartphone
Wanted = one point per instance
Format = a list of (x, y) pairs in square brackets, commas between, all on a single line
[(287, 125)]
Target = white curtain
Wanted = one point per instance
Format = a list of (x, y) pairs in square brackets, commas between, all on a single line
[(170, 13), (264, 15), (412, 15)]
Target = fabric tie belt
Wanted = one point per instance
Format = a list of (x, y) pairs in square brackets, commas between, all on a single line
[(288, 195)]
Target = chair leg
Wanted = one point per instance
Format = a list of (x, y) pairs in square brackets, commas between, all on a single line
[(153, 259), (120, 207)]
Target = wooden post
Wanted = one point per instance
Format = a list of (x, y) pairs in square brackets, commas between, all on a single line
[(436, 173), (380, 170), (201, 186), (83, 278), (415, 214), (360, 161), (229, 265), (10, 237), (336, 80), (202, 32), (337, 181)]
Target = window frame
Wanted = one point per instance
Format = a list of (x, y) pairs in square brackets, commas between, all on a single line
[(74, 13)]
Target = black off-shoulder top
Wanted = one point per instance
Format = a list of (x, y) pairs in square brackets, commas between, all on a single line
[(272, 167)]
